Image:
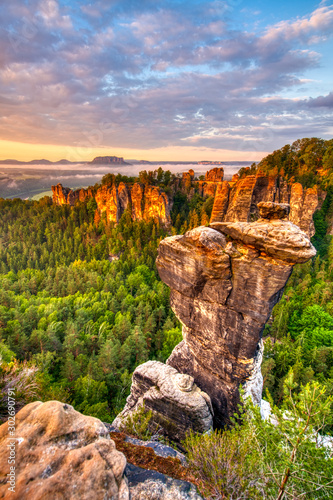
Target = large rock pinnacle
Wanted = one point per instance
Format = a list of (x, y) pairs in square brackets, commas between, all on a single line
[(225, 279)]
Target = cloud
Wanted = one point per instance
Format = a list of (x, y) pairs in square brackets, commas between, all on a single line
[(141, 75), (321, 101), (308, 29)]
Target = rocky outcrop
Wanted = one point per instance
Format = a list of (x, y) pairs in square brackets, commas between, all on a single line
[(146, 484), (225, 280), (212, 180), (187, 184), (60, 453), (221, 201), (107, 200), (240, 200), (147, 202), (63, 195), (137, 194), (156, 205), (237, 200), (303, 203), (176, 402)]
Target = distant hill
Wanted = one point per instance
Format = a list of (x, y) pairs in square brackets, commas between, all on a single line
[(99, 160), (108, 160), (38, 162)]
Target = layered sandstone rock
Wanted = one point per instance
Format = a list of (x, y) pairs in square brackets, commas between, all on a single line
[(240, 199), (225, 280), (60, 453), (137, 194), (213, 179), (149, 484), (303, 203), (107, 200), (237, 200), (147, 201), (156, 205), (214, 175), (176, 402), (221, 202), (63, 196)]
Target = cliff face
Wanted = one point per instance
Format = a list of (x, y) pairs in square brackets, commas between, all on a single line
[(148, 202), (225, 280), (238, 200), (303, 203), (64, 196), (107, 200), (212, 180)]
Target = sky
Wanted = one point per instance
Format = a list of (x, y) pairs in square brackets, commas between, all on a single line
[(163, 80)]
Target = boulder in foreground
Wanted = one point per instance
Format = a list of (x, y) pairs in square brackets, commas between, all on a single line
[(61, 454)]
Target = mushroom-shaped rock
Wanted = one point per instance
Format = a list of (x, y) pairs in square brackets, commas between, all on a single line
[(225, 279), (60, 453), (177, 404), (278, 239)]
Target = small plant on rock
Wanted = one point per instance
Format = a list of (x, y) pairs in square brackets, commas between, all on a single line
[(140, 425)]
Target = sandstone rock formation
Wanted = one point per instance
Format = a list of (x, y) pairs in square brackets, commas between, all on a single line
[(225, 280), (221, 202), (63, 195), (187, 177), (147, 484), (212, 180), (107, 200), (148, 202), (176, 402), (303, 203), (60, 453), (237, 200)]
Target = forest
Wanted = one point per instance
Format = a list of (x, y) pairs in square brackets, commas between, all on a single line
[(82, 304), (81, 300)]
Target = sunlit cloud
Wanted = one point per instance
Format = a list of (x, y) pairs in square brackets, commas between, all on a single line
[(135, 76)]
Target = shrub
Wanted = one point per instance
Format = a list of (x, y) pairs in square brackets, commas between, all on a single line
[(139, 424), (227, 463), (277, 459), (22, 379)]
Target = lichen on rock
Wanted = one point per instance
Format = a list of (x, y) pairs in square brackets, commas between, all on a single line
[(63, 454)]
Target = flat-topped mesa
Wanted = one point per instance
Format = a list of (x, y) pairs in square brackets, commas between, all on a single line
[(148, 202), (225, 279), (238, 200)]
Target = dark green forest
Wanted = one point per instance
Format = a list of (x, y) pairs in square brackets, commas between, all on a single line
[(81, 305), (81, 301)]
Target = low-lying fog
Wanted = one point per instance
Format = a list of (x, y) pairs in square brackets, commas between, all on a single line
[(20, 181)]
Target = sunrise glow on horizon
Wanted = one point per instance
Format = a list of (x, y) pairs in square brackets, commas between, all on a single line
[(28, 152)]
